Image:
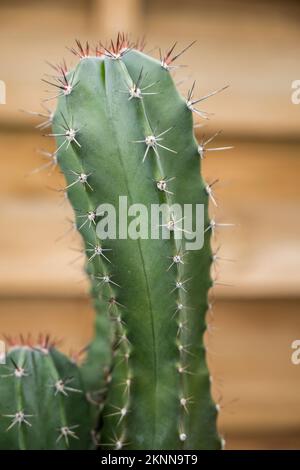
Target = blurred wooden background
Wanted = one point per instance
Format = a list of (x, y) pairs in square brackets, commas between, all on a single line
[(253, 47)]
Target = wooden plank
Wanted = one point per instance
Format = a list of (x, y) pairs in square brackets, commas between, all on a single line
[(228, 52), (250, 358), (281, 440), (117, 16), (69, 320)]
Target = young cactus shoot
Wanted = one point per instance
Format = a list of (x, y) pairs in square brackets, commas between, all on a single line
[(43, 400)]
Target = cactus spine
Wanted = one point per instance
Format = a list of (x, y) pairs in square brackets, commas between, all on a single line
[(124, 130)]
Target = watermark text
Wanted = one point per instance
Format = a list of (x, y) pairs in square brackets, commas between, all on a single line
[(157, 221), (2, 92), (295, 357)]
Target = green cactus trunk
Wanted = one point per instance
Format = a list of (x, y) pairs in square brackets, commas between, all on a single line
[(43, 402), (151, 316)]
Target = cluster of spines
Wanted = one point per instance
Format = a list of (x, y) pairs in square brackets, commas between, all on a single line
[(115, 49)]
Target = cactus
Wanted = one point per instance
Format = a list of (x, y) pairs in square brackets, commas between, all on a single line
[(123, 129), (43, 403)]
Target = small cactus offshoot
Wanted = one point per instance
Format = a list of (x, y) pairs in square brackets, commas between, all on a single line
[(43, 400)]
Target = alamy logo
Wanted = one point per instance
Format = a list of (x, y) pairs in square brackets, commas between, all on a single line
[(295, 358), (296, 93), (2, 352), (2, 92), (157, 221)]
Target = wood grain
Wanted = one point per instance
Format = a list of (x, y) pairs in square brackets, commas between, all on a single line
[(254, 48)]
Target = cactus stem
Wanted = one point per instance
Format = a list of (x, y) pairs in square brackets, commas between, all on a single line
[(108, 78)]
